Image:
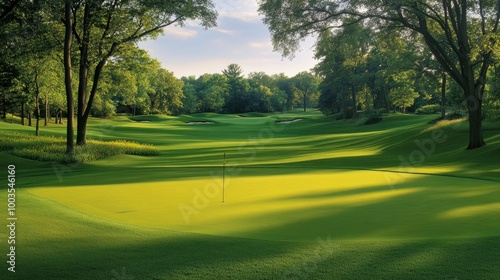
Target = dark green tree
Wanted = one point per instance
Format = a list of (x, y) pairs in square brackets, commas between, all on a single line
[(211, 91), (237, 88), (306, 84)]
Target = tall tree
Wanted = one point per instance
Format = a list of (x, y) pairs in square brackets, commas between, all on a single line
[(237, 88), (345, 53), (102, 27), (191, 104), (284, 84), (68, 76), (307, 85), (211, 92), (403, 94), (461, 34), (166, 95)]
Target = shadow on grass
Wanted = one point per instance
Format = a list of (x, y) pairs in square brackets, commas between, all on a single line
[(216, 258)]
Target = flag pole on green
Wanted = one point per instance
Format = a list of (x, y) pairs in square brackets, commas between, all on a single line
[(223, 175)]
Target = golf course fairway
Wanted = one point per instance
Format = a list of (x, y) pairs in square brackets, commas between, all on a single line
[(248, 197)]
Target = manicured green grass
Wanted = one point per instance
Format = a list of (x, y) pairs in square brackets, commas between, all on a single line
[(397, 200)]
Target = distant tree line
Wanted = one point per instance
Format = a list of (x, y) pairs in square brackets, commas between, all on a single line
[(231, 92)]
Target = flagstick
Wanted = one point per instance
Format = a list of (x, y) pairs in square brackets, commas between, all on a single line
[(223, 175)]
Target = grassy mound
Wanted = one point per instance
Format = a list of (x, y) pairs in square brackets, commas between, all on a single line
[(253, 115), (147, 118)]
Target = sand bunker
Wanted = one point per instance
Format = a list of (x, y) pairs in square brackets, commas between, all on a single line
[(292, 121)]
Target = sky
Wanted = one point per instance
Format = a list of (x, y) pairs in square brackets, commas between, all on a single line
[(240, 37)]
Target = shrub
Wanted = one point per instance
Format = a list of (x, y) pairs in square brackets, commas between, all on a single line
[(454, 116), (145, 118), (428, 109), (369, 117), (491, 111)]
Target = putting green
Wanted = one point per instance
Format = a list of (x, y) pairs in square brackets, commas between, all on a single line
[(302, 205)]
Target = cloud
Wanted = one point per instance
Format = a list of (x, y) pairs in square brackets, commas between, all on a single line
[(191, 50), (245, 10), (180, 32), (261, 45), (225, 31)]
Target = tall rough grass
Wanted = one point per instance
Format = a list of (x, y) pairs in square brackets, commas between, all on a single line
[(50, 148)]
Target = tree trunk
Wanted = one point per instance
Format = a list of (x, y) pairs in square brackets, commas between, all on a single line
[(476, 139), (4, 107), (59, 116), (37, 104), (29, 119), (47, 110), (354, 103), (22, 113), (305, 100), (81, 130), (443, 96), (68, 76), (81, 133), (386, 99), (344, 106)]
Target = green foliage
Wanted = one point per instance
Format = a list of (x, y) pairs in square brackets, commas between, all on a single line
[(166, 96), (306, 85), (237, 88), (491, 111), (233, 72), (278, 101), (45, 148), (454, 116), (369, 117), (403, 96), (428, 109), (211, 91)]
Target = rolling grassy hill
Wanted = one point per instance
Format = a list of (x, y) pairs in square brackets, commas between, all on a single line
[(314, 198)]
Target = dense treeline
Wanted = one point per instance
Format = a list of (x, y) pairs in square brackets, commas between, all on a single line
[(231, 92), (389, 71)]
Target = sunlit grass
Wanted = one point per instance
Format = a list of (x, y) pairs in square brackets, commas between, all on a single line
[(50, 148), (343, 204), (471, 211)]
